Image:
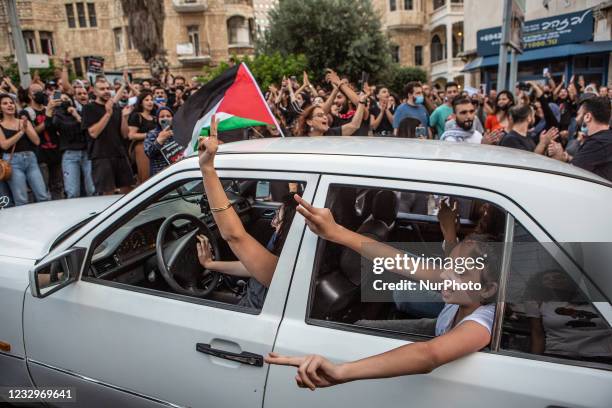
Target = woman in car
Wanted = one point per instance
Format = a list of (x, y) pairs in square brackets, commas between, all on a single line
[(254, 260), (464, 325)]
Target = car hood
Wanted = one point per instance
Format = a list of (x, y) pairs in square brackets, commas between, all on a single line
[(29, 231)]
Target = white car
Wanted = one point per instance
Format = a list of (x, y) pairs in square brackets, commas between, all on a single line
[(106, 294)]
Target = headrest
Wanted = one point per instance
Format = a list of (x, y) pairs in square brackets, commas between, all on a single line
[(385, 206)]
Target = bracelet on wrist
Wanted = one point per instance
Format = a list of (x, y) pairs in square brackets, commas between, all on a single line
[(219, 209)]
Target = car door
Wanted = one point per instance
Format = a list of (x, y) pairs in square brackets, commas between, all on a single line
[(487, 378), (124, 347)]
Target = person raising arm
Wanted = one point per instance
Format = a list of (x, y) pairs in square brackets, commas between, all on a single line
[(463, 327)]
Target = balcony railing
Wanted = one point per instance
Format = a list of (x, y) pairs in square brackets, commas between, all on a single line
[(405, 19), (190, 6)]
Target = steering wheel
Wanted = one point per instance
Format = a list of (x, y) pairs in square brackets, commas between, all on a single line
[(178, 261)]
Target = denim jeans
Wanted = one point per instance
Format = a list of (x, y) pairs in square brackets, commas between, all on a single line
[(26, 172), (76, 167)]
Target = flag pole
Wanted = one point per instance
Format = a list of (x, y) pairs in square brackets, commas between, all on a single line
[(264, 100)]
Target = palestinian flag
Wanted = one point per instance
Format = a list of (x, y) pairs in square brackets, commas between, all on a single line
[(233, 97)]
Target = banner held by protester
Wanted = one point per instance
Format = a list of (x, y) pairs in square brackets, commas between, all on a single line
[(236, 100)]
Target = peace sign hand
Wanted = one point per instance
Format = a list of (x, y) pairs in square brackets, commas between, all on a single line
[(208, 145)]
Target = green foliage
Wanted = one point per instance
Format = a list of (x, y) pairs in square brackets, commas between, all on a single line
[(267, 69), (397, 77), (344, 35)]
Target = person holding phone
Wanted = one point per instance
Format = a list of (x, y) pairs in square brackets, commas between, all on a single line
[(159, 144)]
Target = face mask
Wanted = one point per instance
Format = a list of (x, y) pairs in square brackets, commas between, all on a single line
[(467, 125), (40, 98), (419, 99), (164, 123), (584, 129), (159, 100)]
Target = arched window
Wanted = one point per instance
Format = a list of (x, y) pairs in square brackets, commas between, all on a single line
[(437, 49), (238, 30)]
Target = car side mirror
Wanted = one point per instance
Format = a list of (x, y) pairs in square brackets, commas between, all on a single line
[(54, 273)]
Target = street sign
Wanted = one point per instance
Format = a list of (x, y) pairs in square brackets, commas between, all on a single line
[(38, 60), (544, 32), (184, 49)]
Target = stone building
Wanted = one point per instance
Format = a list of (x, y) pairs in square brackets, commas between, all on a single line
[(426, 34), (262, 8), (196, 33)]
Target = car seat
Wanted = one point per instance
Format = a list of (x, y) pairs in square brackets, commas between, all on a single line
[(337, 290)]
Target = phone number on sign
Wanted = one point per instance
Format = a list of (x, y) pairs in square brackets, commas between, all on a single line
[(37, 394)]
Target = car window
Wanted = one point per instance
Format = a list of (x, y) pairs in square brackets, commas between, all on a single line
[(125, 256), (547, 313), (404, 219)]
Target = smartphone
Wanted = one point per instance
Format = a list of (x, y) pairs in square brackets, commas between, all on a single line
[(57, 95), (545, 71), (420, 132)]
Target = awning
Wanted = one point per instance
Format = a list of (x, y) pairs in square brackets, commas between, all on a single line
[(559, 51)]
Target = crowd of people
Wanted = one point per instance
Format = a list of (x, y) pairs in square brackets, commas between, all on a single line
[(67, 139)]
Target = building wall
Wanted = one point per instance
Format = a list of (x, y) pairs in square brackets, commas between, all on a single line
[(50, 16), (262, 8)]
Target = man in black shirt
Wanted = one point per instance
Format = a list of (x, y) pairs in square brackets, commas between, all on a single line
[(517, 138), (107, 127), (595, 153)]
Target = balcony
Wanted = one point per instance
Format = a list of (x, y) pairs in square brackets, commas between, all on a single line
[(440, 68), (447, 13), (194, 59), (189, 6), (404, 20)]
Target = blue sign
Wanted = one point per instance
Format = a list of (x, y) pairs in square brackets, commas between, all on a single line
[(545, 32)]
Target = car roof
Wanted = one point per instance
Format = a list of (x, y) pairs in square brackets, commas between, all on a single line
[(387, 147)]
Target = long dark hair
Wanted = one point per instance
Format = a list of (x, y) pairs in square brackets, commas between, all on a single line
[(4, 96), (141, 96), (509, 95), (289, 206)]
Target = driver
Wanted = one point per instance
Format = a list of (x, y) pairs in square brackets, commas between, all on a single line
[(255, 261)]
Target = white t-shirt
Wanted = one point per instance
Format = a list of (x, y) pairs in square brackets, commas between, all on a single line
[(572, 329), (484, 315)]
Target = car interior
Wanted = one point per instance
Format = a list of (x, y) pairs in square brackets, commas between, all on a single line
[(386, 216), (167, 228)]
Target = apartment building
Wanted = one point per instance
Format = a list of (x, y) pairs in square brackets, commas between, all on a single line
[(196, 33), (426, 34)]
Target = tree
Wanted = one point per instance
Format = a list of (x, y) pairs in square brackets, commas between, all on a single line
[(397, 77), (267, 69), (345, 35), (146, 30)]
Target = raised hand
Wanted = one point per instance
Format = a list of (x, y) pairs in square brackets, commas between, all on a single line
[(208, 145), (332, 77), (313, 372), (204, 253), (319, 220), (549, 135)]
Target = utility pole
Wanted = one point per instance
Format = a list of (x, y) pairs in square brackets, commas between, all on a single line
[(502, 68), (20, 50)]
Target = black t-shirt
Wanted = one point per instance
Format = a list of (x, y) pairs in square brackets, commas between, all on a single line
[(23, 145), (516, 141), (48, 149), (595, 154), (109, 142), (144, 125), (385, 125), (334, 131)]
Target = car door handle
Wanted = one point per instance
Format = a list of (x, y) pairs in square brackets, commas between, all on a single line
[(245, 357), (268, 213)]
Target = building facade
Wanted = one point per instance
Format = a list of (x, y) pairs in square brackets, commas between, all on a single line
[(262, 9), (565, 37), (196, 33), (426, 34)]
